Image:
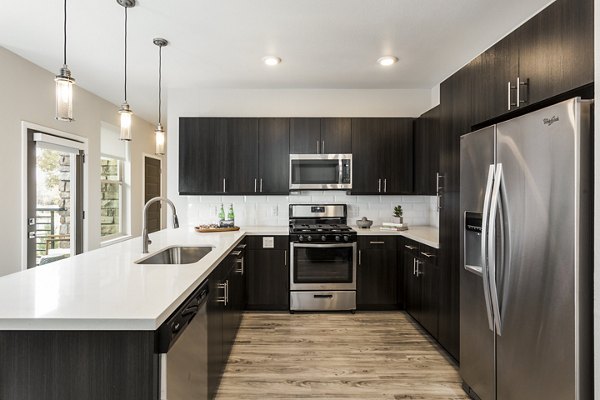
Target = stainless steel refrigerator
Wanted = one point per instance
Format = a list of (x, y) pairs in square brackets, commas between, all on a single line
[(526, 256)]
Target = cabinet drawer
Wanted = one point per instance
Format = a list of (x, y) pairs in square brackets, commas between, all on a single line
[(409, 246), (377, 242), (428, 254), (258, 242)]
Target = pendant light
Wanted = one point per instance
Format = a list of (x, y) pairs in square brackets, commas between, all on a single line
[(64, 82), (159, 132), (125, 110)]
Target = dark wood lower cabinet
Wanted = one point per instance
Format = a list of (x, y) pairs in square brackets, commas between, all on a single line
[(93, 365), (422, 285), (267, 274), (225, 307), (377, 273)]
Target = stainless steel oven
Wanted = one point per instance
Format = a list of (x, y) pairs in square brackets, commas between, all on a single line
[(320, 171), (323, 266)]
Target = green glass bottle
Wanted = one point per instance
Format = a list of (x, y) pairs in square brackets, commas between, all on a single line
[(221, 215), (231, 215)]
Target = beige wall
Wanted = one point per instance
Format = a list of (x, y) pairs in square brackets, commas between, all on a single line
[(27, 94)]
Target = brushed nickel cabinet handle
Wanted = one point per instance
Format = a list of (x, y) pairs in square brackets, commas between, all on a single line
[(224, 185), (255, 185), (323, 146), (410, 247), (261, 185), (285, 258), (318, 151), (376, 242), (385, 185), (379, 185), (360, 257), (428, 255)]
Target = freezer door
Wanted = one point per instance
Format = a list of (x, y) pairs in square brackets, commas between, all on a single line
[(476, 338), (537, 259)]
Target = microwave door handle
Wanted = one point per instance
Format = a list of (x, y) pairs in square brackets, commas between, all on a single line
[(340, 171)]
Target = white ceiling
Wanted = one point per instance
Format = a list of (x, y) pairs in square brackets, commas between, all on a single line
[(219, 44)]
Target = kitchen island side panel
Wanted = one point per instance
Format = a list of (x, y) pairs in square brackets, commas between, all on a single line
[(91, 365)]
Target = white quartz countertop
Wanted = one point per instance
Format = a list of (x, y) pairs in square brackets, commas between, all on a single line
[(428, 235), (105, 290)]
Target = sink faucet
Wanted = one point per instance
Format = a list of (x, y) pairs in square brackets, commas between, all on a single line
[(145, 239)]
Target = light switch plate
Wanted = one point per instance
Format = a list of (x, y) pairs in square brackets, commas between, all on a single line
[(268, 242)]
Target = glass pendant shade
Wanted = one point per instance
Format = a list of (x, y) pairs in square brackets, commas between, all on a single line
[(125, 113), (64, 95), (159, 134)]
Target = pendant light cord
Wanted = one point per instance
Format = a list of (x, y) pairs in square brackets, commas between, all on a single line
[(65, 35), (159, 82), (125, 54)]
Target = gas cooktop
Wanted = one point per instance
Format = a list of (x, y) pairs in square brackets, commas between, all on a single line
[(320, 228)]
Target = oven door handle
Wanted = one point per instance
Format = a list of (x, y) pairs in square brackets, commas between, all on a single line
[(324, 245)]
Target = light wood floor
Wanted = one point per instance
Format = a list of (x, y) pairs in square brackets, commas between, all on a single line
[(376, 355)]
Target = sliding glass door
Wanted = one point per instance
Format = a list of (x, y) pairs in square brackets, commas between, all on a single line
[(54, 198)]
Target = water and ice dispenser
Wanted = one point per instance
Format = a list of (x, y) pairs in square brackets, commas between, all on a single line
[(472, 232)]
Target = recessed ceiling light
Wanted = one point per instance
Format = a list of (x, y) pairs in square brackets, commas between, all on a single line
[(387, 60), (271, 60)]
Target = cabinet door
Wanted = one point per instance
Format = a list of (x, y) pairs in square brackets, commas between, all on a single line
[(368, 163), (239, 154), (427, 152), (200, 166), (377, 273), (556, 49), (336, 136), (429, 276), (232, 312), (412, 287), (215, 312), (398, 151), (267, 280), (305, 135), (456, 120), (491, 73), (273, 155)]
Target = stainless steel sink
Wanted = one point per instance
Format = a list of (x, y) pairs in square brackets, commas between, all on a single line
[(177, 255)]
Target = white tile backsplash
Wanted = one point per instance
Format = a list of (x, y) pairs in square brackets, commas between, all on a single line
[(274, 210)]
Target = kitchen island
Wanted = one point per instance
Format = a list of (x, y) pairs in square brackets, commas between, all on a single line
[(86, 327)]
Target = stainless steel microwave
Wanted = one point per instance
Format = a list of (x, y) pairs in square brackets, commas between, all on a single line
[(320, 171)]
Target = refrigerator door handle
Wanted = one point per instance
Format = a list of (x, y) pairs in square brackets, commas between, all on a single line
[(484, 248), (495, 204)]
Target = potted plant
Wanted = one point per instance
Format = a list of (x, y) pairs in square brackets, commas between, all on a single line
[(398, 215)]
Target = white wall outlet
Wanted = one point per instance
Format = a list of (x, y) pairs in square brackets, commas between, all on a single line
[(274, 211)]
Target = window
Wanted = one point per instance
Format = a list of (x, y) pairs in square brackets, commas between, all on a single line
[(111, 201), (114, 185)]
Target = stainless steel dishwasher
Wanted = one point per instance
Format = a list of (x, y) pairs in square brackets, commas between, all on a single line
[(182, 348)]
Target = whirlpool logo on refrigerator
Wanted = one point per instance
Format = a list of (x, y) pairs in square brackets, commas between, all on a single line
[(550, 121)]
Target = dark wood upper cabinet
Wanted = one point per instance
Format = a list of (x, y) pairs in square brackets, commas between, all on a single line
[(382, 155), (273, 155), (239, 154), (305, 135), (368, 164), (556, 50), (200, 166), (336, 136), (551, 54), (320, 136), (427, 152), (491, 72), (398, 153)]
